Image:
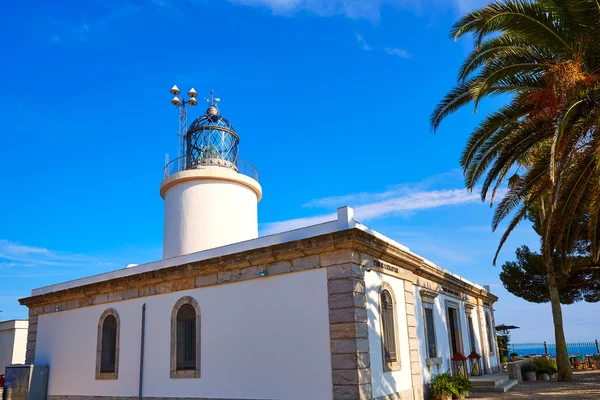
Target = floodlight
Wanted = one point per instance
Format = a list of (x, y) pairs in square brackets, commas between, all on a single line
[(176, 101), (192, 101), (175, 90), (192, 93)]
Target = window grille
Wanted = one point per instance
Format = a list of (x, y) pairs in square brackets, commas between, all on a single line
[(389, 330), (186, 338), (430, 333), (109, 344)]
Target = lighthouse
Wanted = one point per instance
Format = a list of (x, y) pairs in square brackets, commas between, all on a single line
[(211, 195)]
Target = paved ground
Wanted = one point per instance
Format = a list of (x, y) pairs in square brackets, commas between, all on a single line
[(586, 387)]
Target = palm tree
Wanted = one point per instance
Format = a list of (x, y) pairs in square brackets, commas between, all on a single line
[(544, 55)]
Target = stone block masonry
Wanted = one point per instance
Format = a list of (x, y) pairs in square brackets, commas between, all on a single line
[(348, 326)]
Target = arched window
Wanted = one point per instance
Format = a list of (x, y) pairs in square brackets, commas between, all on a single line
[(388, 330), (107, 354), (490, 332), (185, 339)]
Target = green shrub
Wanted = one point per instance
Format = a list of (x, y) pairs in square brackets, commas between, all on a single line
[(463, 385), (514, 354), (528, 367), (542, 371), (547, 364), (444, 384), (450, 385)]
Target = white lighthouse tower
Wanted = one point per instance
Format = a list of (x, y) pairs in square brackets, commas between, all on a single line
[(211, 196)]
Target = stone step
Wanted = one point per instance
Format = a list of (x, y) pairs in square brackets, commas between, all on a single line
[(505, 386), (489, 380)]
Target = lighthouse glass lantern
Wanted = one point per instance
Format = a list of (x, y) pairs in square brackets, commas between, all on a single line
[(475, 363), (211, 141), (211, 195), (459, 365)]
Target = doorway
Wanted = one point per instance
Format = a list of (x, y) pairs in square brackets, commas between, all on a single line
[(454, 331)]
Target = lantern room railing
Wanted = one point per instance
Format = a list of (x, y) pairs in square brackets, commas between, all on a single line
[(182, 164)]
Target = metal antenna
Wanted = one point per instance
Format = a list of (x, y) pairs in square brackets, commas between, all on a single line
[(181, 105), (183, 112)]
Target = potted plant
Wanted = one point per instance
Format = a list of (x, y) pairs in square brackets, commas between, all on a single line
[(529, 370), (463, 386), (443, 386), (514, 356), (543, 374), (552, 371), (546, 365)]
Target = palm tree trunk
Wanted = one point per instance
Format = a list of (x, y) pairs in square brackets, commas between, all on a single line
[(562, 355)]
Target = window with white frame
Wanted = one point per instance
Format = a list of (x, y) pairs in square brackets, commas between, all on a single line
[(430, 342)]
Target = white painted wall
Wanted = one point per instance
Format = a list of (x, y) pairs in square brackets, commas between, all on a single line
[(478, 339), (202, 214), (262, 339), (13, 343), (396, 381), (442, 334), (493, 359)]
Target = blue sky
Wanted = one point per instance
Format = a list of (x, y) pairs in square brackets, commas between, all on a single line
[(331, 99)]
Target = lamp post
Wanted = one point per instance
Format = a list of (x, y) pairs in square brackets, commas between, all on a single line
[(181, 105)]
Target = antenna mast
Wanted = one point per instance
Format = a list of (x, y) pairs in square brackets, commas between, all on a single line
[(183, 113), (181, 105)]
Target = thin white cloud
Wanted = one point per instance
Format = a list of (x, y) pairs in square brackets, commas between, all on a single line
[(362, 42), (378, 205), (15, 255), (397, 52), (389, 50), (360, 9), (67, 30), (438, 181)]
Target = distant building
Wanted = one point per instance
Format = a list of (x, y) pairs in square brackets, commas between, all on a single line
[(13, 342), (330, 311)]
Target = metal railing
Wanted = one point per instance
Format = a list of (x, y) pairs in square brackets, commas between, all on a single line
[(182, 164), (525, 349)]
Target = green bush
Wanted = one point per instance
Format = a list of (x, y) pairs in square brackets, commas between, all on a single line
[(444, 384), (528, 367), (463, 385), (514, 354), (450, 385), (546, 364)]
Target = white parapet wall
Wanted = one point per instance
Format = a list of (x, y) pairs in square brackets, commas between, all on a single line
[(261, 339), (13, 342)]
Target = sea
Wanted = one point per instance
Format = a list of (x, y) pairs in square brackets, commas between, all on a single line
[(526, 349)]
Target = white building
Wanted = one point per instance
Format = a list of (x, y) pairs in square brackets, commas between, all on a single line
[(331, 311), (13, 342)]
